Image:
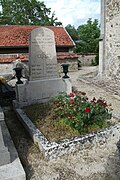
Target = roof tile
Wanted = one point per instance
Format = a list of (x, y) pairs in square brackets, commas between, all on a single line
[(19, 36), (62, 56)]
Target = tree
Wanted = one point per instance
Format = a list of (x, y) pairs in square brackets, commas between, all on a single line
[(72, 32), (88, 37), (26, 12)]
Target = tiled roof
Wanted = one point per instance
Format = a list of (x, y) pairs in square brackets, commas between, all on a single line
[(8, 58), (19, 36), (24, 57), (62, 56)]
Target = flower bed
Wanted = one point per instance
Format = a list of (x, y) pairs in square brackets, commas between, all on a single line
[(69, 115), (76, 113), (79, 113), (54, 149)]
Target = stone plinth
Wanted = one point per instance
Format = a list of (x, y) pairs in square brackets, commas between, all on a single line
[(40, 90)]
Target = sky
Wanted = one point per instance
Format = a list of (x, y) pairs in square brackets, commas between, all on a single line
[(74, 12)]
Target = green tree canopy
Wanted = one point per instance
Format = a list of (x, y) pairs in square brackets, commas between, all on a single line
[(72, 31), (26, 12), (88, 37)]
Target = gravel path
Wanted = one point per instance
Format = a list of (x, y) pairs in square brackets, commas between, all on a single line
[(99, 163)]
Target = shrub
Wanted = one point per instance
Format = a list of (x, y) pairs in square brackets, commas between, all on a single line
[(79, 113)]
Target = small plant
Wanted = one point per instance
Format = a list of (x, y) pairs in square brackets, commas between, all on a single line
[(79, 113)]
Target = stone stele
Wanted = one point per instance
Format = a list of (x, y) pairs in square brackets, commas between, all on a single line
[(42, 54)]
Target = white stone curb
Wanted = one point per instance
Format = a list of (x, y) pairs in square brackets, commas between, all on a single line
[(52, 150)]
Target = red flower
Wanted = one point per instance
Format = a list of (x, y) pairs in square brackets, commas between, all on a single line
[(72, 95), (102, 102), (71, 101), (87, 110)]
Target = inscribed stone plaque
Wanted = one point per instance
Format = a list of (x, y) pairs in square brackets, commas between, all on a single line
[(42, 54)]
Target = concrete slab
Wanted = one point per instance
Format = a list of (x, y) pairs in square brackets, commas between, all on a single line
[(4, 153), (1, 115), (13, 169)]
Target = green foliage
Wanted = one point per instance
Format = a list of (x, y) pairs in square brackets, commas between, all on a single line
[(26, 12), (86, 36), (72, 31), (80, 114), (89, 37)]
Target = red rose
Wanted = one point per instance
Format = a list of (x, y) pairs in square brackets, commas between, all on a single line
[(87, 110), (72, 95), (71, 101)]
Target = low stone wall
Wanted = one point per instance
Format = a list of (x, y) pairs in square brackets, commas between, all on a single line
[(7, 65), (6, 68), (86, 59), (8, 62), (52, 150), (73, 64)]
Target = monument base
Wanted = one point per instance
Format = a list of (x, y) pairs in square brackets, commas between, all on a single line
[(40, 90)]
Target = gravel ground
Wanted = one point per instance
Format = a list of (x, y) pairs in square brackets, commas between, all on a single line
[(99, 163)]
